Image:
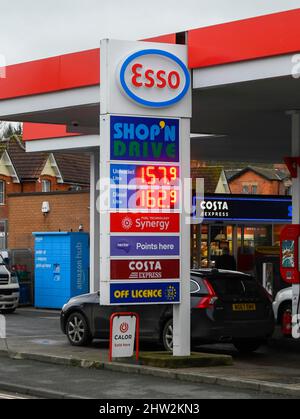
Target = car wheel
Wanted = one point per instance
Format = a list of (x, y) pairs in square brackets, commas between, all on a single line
[(167, 336), (77, 330), (247, 346)]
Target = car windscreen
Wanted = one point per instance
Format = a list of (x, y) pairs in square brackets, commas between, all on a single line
[(235, 286)]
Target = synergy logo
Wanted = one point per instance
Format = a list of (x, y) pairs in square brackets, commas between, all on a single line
[(127, 223), (144, 139), (145, 223), (154, 78)]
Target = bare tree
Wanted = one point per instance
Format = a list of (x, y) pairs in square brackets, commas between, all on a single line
[(9, 129)]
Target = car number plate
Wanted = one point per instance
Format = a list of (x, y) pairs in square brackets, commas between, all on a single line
[(244, 307)]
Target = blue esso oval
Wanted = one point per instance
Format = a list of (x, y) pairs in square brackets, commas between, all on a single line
[(154, 78)]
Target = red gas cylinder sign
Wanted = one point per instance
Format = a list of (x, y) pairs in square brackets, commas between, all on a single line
[(289, 255)]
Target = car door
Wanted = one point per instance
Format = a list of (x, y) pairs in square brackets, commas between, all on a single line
[(150, 319), (101, 318)]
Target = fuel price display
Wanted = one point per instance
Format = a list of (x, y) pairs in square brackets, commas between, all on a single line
[(145, 187), (145, 175), (158, 175)]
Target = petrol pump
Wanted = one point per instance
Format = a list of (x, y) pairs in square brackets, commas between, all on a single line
[(290, 268)]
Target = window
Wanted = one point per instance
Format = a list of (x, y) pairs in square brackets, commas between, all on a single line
[(75, 188), (245, 189), (46, 186), (254, 189), (195, 287), (3, 234), (2, 192)]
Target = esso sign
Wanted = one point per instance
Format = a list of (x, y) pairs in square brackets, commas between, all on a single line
[(154, 78)]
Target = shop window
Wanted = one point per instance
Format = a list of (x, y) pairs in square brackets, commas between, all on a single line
[(2, 192), (46, 186), (195, 287)]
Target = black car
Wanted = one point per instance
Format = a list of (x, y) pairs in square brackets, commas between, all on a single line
[(225, 307)]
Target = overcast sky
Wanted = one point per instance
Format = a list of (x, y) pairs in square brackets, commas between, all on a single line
[(32, 29)]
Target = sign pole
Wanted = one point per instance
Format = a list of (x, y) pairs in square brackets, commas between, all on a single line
[(145, 153), (182, 312), (296, 206)]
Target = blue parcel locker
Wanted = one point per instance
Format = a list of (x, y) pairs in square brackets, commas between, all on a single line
[(61, 268)]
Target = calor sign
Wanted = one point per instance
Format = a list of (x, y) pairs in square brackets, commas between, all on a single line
[(154, 78)]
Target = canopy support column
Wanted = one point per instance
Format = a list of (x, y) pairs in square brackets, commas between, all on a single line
[(94, 223)]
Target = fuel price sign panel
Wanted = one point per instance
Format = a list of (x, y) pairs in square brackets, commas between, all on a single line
[(145, 91), (145, 208)]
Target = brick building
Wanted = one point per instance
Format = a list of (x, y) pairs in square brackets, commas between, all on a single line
[(25, 177), (259, 181), (68, 211)]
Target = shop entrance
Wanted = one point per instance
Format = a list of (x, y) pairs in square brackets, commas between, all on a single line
[(212, 241)]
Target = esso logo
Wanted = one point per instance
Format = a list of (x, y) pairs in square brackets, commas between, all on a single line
[(154, 78)]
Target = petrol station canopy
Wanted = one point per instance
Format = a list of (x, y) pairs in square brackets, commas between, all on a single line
[(243, 92)]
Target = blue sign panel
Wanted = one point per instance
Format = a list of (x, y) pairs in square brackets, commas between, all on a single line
[(242, 208), (144, 139), (145, 246), (123, 174), (156, 293)]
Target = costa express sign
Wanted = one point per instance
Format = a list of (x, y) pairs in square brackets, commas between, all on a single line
[(154, 78), (145, 269)]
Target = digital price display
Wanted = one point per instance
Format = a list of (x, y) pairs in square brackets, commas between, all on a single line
[(158, 175), (142, 175), (145, 199), (162, 199)]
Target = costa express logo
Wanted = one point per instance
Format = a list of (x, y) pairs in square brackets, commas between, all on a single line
[(144, 139), (145, 269), (154, 78)]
